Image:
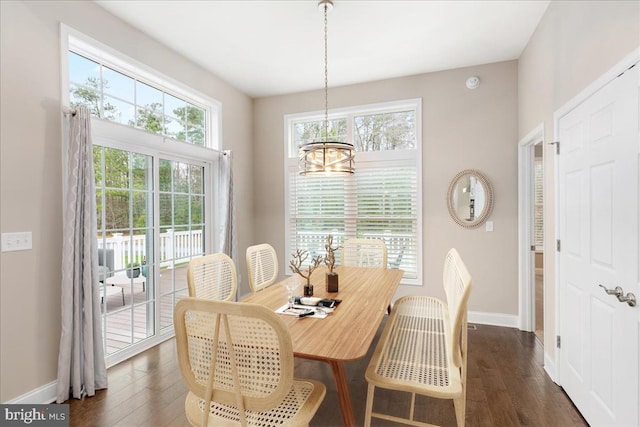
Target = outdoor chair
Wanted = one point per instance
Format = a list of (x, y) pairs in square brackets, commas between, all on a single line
[(237, 361), (212, 277), (105, 264), (262, 264)]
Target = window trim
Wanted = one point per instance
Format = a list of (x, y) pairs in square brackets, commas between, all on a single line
[(372, 158)]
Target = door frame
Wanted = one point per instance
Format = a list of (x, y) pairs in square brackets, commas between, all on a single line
[(526, 268), (630, 59)]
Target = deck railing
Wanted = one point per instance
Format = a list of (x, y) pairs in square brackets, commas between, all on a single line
[(175, 247), (396, 243)]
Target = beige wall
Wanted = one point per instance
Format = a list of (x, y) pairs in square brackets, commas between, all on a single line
[(30, 179), (462, 129), (574, 44)]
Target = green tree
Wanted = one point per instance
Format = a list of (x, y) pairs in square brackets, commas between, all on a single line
[(380, 132), (112, 173), (150, 118), (193, 117), (90, 95), (315, 131)]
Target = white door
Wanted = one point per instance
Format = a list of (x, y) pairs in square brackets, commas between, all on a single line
[(598, 230)]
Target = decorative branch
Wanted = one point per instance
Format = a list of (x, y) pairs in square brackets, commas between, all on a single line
[(299, 257), (330, 257)]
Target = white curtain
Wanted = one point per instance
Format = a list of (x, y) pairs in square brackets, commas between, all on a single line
[(227, 235), (81, 363)]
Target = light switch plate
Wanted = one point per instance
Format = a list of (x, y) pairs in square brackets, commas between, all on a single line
[(21, 241), (488, 226)]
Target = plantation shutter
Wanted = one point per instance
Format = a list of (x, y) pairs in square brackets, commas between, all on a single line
[(386, 210), (382, 200), (379, 201)]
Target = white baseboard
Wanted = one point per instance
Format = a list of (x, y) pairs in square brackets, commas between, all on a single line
[(42, 395), (550, 368), (494, 319)]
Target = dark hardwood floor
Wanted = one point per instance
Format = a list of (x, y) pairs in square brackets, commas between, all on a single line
[(507, 386)]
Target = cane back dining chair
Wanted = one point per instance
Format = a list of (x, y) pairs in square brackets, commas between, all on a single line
[(262, 263), (212, 277), (364, 253), (237, 361)]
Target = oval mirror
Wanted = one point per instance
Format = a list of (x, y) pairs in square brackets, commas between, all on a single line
[(470, 198)]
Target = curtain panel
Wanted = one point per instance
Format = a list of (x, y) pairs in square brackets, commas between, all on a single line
[(81, 363), (227, 234)]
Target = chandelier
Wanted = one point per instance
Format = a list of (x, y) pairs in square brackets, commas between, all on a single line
[(326, 157)]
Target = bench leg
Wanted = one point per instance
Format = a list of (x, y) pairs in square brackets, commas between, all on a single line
[(369, 406), (412, 409), (459, 405)]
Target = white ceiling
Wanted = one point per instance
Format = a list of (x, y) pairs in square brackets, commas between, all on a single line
[(275, 47)]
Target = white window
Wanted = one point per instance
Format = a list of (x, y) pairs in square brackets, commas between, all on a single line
[(381, 200), (155, 181), (117, 89)]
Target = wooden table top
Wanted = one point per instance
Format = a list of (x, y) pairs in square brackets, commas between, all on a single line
[(347, 333)]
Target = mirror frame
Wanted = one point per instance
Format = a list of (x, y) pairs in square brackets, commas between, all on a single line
[(486, 211)]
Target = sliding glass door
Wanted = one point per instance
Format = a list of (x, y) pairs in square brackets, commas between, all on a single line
[(181, 231), (152, 216)]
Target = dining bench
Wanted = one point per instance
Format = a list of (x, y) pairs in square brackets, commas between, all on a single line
[(423, 347)]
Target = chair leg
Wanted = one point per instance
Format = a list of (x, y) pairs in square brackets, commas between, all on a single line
[(369, 406), (459, 405)]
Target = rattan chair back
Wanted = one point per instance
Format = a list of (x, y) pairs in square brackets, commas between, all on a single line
[(212, 277), (237, 360), (262, 265), (364, 253)]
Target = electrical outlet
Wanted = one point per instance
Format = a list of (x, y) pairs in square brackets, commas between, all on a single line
[(489, 226), (16, 241)]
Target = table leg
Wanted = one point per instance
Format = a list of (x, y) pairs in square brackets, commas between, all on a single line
[(343, 393)]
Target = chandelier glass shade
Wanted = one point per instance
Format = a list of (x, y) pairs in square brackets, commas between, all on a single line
[(326, 157)]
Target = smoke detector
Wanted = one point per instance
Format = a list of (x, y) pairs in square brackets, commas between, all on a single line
[(473, 82)]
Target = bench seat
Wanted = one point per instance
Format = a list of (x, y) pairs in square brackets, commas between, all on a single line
[(422, 349), (414, 355)]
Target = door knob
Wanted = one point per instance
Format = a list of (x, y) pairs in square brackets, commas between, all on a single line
[(617, 291), (629, 299)]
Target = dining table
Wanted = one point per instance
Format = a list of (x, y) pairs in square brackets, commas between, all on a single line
[(347, 332)]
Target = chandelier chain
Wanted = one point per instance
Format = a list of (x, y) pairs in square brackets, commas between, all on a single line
[(326, 79)]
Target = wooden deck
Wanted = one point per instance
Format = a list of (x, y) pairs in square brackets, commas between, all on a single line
[(128, 324)]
